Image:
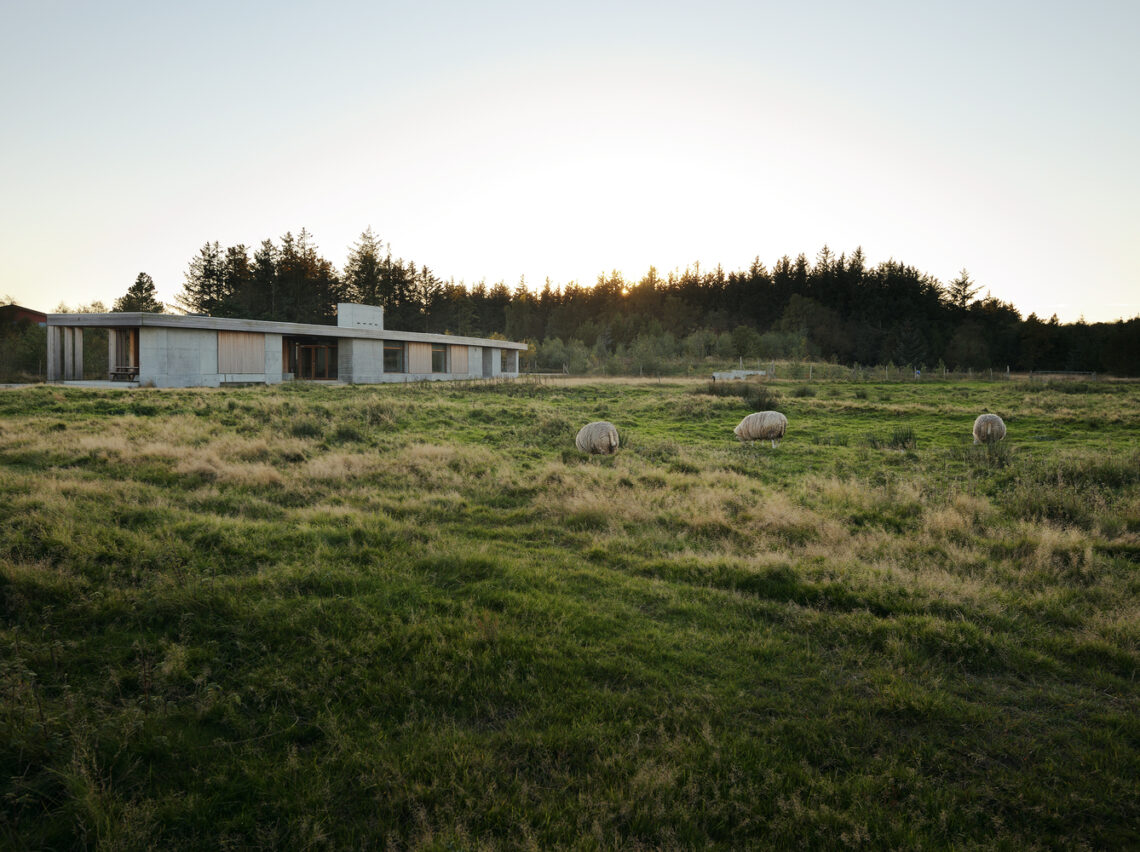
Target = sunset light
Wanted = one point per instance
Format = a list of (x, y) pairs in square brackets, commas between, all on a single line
[(562, 146)]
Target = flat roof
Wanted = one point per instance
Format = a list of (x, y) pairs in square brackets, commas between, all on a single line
[(139, 320)]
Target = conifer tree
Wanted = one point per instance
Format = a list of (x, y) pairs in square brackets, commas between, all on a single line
[(204, 290), (961, 291), (363, 272), (264, 282), (140, 296), (238, 277)]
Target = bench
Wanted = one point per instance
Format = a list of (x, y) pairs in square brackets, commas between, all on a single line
[(124, 374)]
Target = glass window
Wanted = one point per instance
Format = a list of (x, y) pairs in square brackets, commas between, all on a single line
[(439, 357), (393, 357)]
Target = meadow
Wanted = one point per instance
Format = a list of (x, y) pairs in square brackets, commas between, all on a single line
[(309, 617)]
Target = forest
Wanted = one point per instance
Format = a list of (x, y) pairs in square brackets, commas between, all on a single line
[(835, 308)]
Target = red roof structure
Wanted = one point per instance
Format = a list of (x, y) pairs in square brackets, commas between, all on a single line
[(11, 314)]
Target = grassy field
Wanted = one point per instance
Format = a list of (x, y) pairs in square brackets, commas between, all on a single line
[(414, 617)]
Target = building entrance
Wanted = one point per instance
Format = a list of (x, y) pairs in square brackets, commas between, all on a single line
[(310, 358)]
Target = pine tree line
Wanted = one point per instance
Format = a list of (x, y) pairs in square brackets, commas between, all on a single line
[(836, 308)]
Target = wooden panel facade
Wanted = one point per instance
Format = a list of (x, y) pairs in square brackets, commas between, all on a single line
[(459, 359), (241, 352), (419, 357)]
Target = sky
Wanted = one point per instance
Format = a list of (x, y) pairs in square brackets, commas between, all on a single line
[(521, 141)]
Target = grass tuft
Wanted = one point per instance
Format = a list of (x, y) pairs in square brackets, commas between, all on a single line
[(899, 438)]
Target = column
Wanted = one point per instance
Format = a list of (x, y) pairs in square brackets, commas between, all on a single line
[(112, 352), (76, 353), (54, 371), (68, 354)]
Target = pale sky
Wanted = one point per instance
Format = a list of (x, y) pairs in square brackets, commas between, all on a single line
[(497, 140)]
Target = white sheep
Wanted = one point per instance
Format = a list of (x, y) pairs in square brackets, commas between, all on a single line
[(988, 429), (599, 437), (762, 426)]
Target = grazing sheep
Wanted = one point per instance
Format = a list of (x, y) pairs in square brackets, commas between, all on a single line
[(600, 437), (762, 426), (988, 429)]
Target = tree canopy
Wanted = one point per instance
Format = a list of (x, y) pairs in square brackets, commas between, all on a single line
[(140, 296), (836, 307)]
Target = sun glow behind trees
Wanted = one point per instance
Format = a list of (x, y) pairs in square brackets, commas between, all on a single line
[(511, 141), (839, 308)]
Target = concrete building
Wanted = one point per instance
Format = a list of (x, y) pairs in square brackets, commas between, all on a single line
[(168, 350)]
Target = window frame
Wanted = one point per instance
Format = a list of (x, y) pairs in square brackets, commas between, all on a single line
[(440, 349), (399, 347)]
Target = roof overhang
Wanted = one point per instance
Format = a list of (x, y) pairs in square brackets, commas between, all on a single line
[(143, 320)]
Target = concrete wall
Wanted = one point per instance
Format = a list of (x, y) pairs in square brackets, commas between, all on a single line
[(274, 367), (184, 358), (64, 354), (54, 353), (360, 361), (349, 315), (183, 351), (492, 362), (178, 358), (188, 357)]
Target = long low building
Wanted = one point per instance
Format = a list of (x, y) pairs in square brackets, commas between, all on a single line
[(170, 350)]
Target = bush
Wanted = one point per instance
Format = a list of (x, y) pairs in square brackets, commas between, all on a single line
[(995, 456), (307, 429), (761, 398), (900, 438), (830, 440), (347, 434), (721, 389), (378, 412), (755, 396)]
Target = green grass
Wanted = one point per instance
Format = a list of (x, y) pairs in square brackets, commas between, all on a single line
[(415, 617)]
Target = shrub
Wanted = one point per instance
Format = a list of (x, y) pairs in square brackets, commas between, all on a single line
[(306, 429), (830, 440), (347, 434), (378, 412), (900, 438), (721, 389), (761, 398), (756, 396), (997, 455)]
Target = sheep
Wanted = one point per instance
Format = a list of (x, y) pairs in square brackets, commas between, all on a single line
[(762, 426), (599, 437), (988, 429)]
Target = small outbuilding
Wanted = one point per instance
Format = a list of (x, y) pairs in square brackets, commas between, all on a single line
[(15, 315)]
